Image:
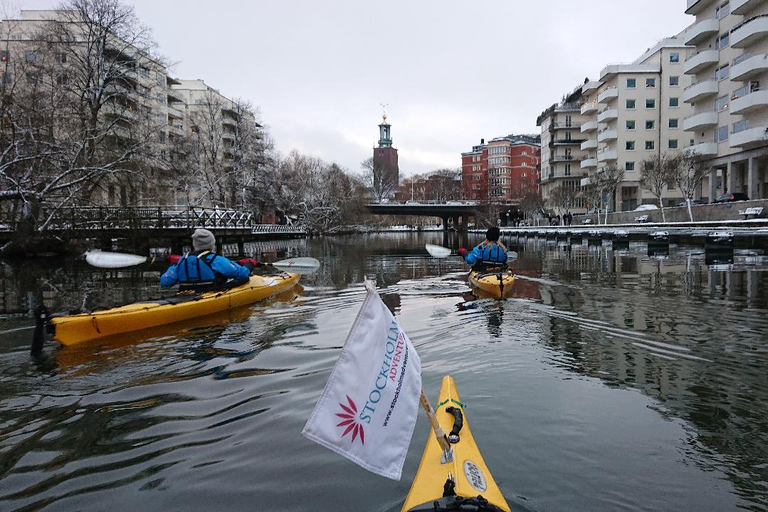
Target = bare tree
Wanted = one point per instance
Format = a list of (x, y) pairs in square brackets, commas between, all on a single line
[(379, 179), (563, 197), (72, 122), (609, 178), (656, 173), (688, 176)]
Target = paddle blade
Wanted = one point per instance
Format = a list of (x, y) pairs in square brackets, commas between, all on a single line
[(511, 255), (103, 259), (298, 265), (437, 251)]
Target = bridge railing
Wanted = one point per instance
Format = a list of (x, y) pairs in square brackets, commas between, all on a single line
[(87, 218)]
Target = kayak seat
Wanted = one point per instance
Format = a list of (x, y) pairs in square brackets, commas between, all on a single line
[(457, 504)]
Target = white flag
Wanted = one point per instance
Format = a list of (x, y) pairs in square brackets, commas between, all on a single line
[(369, 405)]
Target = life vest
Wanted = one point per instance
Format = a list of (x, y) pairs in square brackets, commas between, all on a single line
[(196, 271), (492, 253)]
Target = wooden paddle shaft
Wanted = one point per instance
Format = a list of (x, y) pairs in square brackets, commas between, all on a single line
[(439, 432)]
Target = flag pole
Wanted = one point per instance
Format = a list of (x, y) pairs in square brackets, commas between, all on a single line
[(442, 439)]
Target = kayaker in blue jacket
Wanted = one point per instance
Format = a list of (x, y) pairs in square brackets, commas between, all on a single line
[(203, 269), (489, 253)]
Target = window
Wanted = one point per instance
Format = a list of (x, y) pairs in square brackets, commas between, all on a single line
[(631, 83), (5, 56), (630, 104), (721, 103), (630, 124), (630, 145), (61, 58), (672, 144), (629, 166), (6, 78), (32, 78), (674, 57), (650, 103), (160, 78), (722, 41), (722, 73), (674, 102), (721, 134), (650, 124), (673, 123), (32, 57), (567, 170), (649, 145), (723, 11), (650, 82), (674, 81)]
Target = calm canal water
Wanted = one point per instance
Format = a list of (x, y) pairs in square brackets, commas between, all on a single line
[(611, 381)]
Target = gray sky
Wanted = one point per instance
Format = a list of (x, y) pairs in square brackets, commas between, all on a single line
[(451, 71)]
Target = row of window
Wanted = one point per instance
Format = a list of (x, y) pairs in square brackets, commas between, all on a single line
[(650, 145), (674, 80), (650, 124), (631, 104)]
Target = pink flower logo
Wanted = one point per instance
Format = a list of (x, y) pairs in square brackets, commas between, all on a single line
[(349, 422)]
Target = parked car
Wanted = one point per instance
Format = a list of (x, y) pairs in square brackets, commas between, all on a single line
[(646, 207), (694, 202), (731, 196)]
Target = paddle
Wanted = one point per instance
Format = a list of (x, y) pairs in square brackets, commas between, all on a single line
[(438, 251), (103, 259)]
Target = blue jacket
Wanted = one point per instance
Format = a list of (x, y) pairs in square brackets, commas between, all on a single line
[(206, 268), (488, 252)]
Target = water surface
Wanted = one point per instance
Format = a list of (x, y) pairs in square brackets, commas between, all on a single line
[(612, 380)]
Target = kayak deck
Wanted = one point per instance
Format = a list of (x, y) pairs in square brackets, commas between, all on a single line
[(468, 470), (495, 284), (83, 327)]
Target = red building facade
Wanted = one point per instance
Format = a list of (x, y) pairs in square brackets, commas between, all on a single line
[(503, 170)]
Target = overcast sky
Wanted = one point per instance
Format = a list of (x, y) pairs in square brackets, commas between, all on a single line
[(452, 72)]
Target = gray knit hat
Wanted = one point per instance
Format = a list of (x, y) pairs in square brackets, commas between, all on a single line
[(203, 240)]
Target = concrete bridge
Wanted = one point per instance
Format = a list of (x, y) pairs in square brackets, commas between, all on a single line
[(455, 211)]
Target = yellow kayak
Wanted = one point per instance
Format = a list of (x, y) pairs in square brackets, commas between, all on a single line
[(80, 328), (467, 474), (495, 284)]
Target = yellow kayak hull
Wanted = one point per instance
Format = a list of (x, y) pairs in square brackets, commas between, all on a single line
[(468, 468), (497, 285), (84, 327)]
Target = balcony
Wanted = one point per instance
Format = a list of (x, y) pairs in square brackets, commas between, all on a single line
[(703, 120), (608, 95), (700, 31), (750, 138), (748, 68), (562, 157), (607, 155), (750, 102), (607, 135), (701, 61), (566, 142), (742, 7), (590, 86), (589, 144), (749, 32), (700, 90), (607, 115), (703, 150), (696, 6), (589, 108), (563, 126), (589, 163), (589, 126)]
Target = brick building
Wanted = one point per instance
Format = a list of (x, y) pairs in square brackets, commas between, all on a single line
[(502, 170)]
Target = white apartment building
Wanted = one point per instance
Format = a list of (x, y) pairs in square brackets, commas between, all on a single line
[(563, 146), (638, 111), (729, 123)]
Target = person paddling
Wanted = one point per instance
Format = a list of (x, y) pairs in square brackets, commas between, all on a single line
[(489, 253), (203, 269)]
